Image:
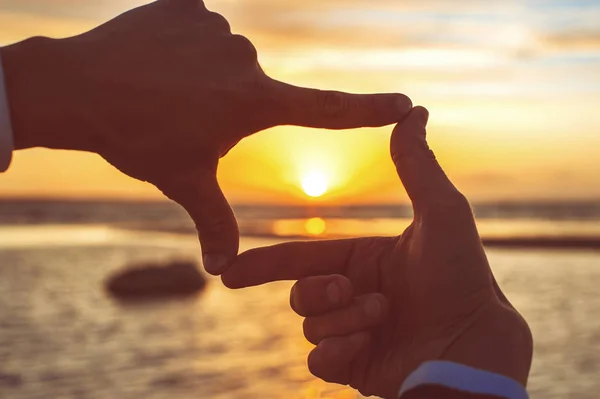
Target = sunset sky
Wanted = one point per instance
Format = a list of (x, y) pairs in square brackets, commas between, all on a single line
[(513, 88)]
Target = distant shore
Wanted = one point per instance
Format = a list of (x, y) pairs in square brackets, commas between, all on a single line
[(544, 242), (544, 225), (504, 242)]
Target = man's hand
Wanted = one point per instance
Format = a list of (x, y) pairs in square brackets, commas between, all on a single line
[(162, 92), (433, 282)]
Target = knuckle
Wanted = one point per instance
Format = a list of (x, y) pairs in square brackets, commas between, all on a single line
[(213, 225), (218, 22), (458, 204), (312, 330), (200, 5), (244, 48), (332, 104), (453, 206), (373, 105), (216, 231)]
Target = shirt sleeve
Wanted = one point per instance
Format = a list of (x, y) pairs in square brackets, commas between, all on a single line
[(6, 134), (440, 379)]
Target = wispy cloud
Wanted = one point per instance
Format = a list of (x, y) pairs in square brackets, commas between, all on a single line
[(513, 85), (578, 39)]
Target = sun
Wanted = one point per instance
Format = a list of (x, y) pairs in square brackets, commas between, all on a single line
[(314, 184)]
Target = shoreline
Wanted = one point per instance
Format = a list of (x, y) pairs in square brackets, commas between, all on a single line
[(491, 242), (523, 241)]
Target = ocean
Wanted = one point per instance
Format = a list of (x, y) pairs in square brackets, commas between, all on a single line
[(63, 336)]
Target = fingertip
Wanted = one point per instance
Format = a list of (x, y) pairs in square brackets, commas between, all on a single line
[(336, 351), (338, 110), (409, 134), (314, 362), (403, 105), (387, 108), (198, 192), (418, 116), (332, 359), (216, 264), (229, 281), (421, 115)]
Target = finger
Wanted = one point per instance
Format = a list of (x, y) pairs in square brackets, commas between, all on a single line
[(428, 187), (313, 296), (297, 260), (332, 359), (366, 312), (217, 22), (217, 228), (289, 261), (337, 110)]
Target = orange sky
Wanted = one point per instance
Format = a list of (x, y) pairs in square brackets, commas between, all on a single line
[(513, 99)]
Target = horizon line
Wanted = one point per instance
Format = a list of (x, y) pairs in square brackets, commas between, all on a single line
[(116, 200)]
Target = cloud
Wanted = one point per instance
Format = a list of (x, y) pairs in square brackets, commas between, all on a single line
[(574, 40), (359, 23), (513, 28), (16, 26)]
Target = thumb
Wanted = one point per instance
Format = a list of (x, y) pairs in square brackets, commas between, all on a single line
[(427, 185), (337, 110), (217, 228)]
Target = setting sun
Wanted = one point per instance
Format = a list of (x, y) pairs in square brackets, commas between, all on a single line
[(314, 184)]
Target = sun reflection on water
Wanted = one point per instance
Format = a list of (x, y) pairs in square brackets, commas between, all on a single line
[(315, 226)]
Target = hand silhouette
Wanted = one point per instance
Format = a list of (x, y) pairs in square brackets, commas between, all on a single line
[(162, 92), (379, 307)]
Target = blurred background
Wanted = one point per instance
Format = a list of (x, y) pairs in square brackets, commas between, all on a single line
[(513, 88)]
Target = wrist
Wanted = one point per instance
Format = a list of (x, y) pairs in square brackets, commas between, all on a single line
[(500, 343), (39, 89), (441, 379)]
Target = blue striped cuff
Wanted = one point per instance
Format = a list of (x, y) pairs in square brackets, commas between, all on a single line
[(6, 134), (463, 378)]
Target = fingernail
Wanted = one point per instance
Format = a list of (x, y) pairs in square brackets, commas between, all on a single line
[(373, 307), (295, 303), (214, 263), (334, 294)]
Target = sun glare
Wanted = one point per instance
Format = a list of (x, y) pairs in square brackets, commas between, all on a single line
[(314, 184)]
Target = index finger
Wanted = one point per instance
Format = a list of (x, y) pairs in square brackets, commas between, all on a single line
[(289, 261), (328, 109)]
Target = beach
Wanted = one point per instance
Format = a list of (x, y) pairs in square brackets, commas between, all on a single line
[(63, 336)]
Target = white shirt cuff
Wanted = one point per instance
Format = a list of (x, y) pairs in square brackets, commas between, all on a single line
[(463, 378), (6, 134)]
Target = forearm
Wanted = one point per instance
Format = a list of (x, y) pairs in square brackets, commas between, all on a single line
[(40, 94)]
